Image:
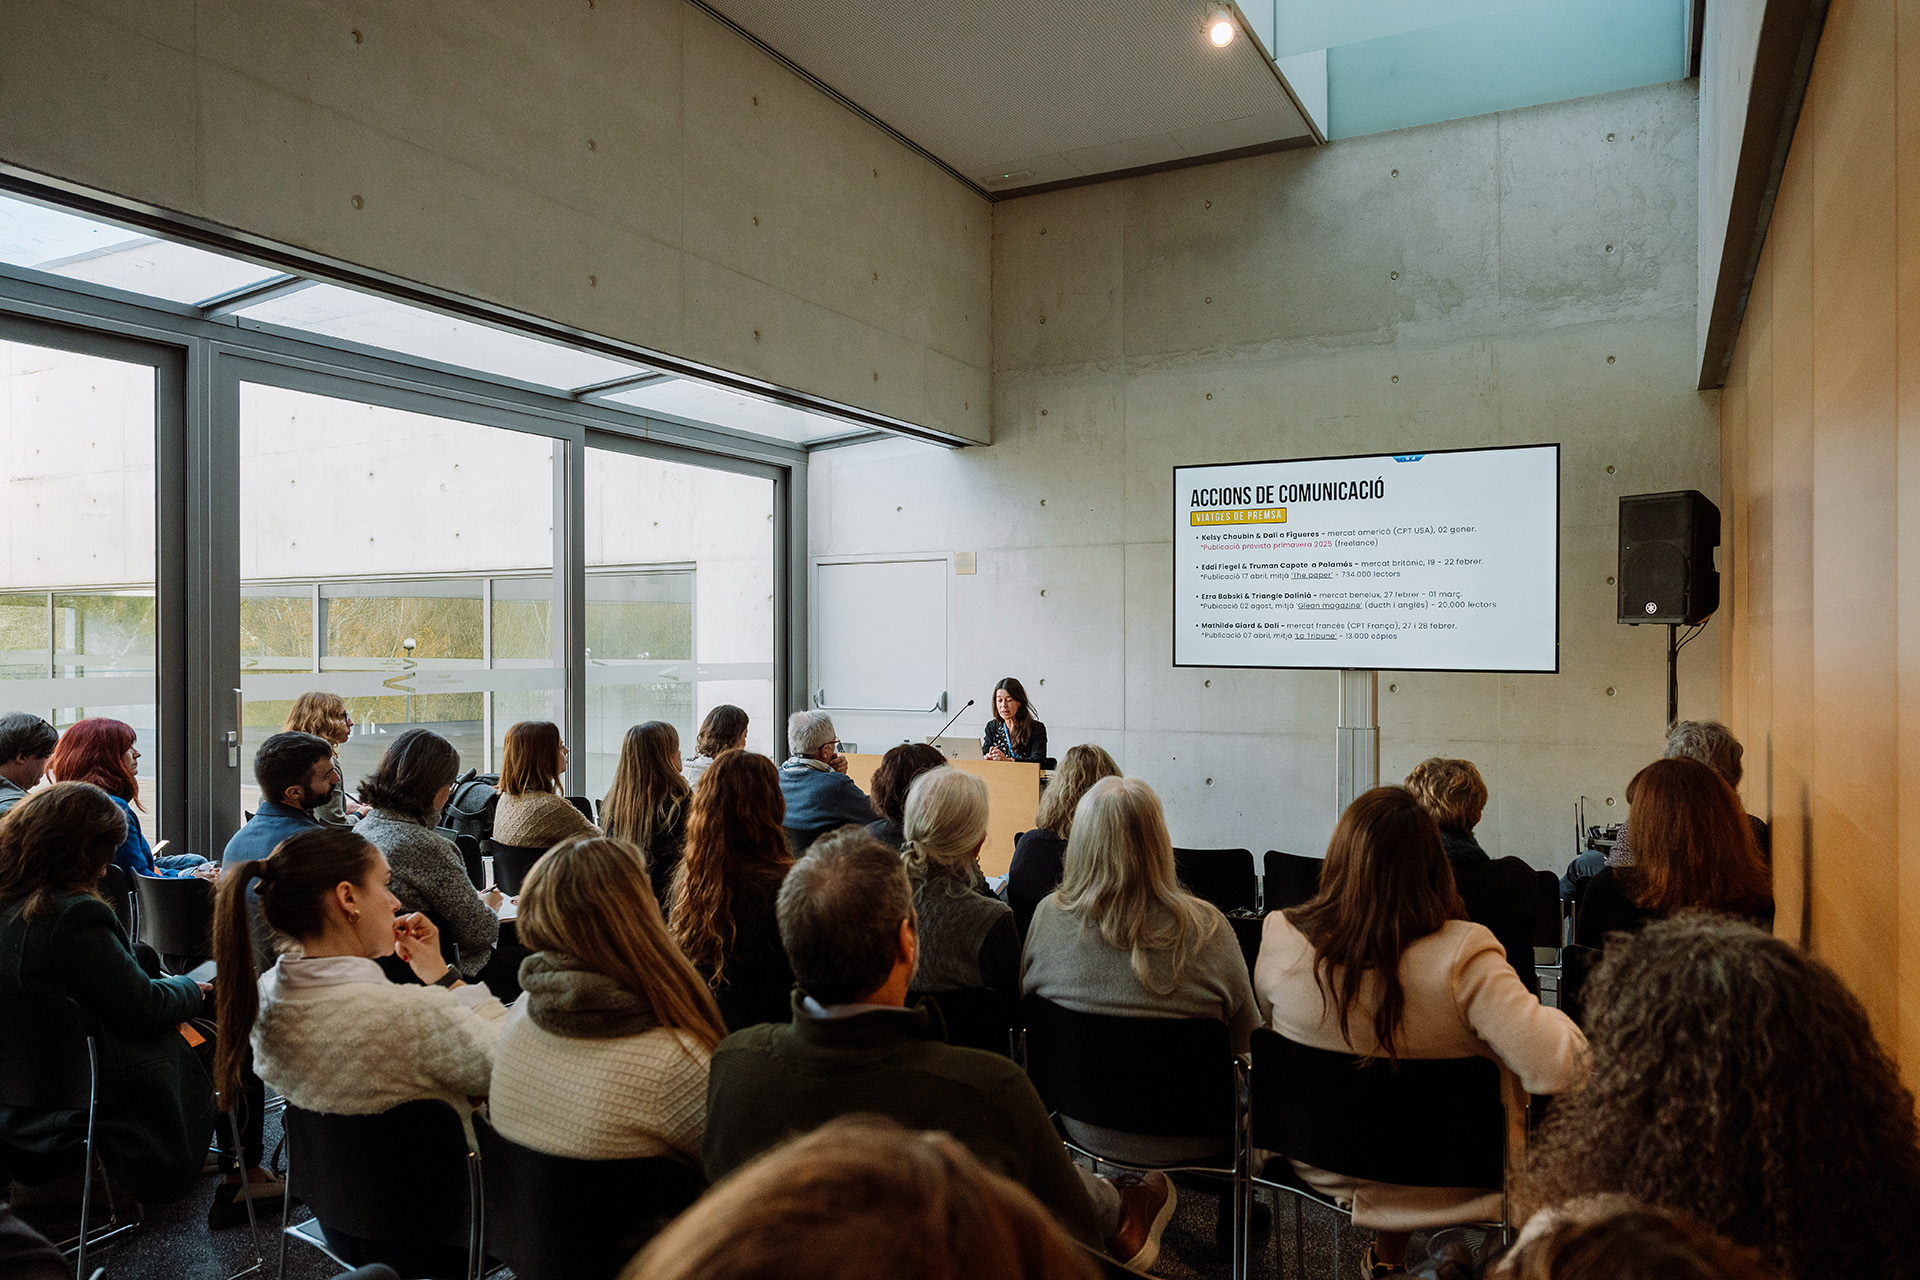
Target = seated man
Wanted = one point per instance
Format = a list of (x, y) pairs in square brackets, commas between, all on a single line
[(847, 922), (297, 775), (26, 743), (814, 782)]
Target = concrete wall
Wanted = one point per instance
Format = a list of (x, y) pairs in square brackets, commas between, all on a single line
[(1730, 39), (1821, 464), (627, 167), (1522, 277)]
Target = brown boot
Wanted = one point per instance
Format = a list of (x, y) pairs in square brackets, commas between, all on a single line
[(1146, 1206)]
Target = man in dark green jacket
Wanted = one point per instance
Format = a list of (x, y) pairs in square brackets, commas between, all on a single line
[(846, 919)]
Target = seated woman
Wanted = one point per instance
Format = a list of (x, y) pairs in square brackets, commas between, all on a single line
[(1013, 733), (724, 729), (967, 938), (405, 796), (1498, 893), (325, 715), (532, 814), (1456, 795), (888, 789), (647, 804), (725, 886), (1040, 855), (605, 1056), (328, 1030), (1692, 847), (57, 938), (1120, 936), (1738, 1080), (101, 751), (1383, 963)]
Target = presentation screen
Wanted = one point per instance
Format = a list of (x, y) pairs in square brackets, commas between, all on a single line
[(1412, 562)]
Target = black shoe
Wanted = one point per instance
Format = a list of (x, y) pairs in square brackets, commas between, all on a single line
[(1259, 1226), (229, 1208)]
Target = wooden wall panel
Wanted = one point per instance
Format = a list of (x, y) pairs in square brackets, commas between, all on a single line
[(1821, 477)]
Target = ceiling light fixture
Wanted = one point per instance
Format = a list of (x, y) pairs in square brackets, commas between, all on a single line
[(1220, 26)]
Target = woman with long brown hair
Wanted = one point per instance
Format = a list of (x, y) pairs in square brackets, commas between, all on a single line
[(1692, 848), (1737, 1079), (724, 729), (605, 1056), (647, 804), (1040, 855), (102, 751), (1013, 733), (1382, 962), (325, 715), (725, 886), (57, 938), (532, 813)]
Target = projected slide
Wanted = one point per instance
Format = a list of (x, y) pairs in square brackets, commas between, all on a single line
[(1417, 562)]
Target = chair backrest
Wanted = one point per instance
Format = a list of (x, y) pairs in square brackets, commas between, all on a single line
[(45, 1063), (1023, 909), (1167, 1077), (399, 1176), (975, 1017), (553, 1218), (1290, 879), (469, 847), (119, 895), (1247, 931), (511, 862), (1423, 1122), (584, 805), (1577, 964), (176, 914), (1548, 911), (1499, 894), (1223, 877)]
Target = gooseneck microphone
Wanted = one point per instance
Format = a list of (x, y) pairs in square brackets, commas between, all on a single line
[(949, 724)]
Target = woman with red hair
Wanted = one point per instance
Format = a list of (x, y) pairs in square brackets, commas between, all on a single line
[(101, 750)]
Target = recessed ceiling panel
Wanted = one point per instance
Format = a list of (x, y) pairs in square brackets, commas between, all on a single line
[(1011, 94)]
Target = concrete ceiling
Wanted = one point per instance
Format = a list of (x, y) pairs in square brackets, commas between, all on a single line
[(1014, 95)]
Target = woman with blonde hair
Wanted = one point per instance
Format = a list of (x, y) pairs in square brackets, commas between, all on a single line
[(724, 890), (605, 1057), (1040, 855), (1121, 937), (647, 804), (532, 813), (967, 938), (1456, 795), (325, 715)]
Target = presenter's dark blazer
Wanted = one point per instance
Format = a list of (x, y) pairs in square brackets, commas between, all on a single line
[(995, 735)]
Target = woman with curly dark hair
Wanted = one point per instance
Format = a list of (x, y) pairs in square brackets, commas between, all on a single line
[(1737, 1080), (724, 889)]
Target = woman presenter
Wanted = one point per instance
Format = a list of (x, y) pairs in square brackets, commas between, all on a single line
[(1013, 733)]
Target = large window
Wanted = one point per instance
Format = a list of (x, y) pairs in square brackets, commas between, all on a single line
[(696, 630), (402, 561), (77, 621)]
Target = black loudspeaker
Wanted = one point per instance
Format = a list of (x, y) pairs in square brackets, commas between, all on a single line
[(1666, 558)]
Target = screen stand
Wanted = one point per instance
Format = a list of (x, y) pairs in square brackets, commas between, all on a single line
[(1357, 753)]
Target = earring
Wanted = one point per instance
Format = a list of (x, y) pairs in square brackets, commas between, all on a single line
[(354, 916)]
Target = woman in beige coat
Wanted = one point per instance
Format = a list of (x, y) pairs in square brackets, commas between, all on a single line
[(1383, 962)]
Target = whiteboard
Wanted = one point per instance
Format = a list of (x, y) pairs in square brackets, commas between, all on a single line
[(1445, 561), (880, 635)]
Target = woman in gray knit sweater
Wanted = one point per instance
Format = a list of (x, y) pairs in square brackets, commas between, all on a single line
[(967, 937), (407, 793)]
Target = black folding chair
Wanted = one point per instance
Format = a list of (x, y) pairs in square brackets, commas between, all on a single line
[(1223, 877), (469, 847), (553, 1218), (1499, 894), (975, 1018), (584, 805), (1160, 1077), (1247, 931), (511, 862), (393, 1179), (1549, 928), (119, 895), (49, 1062), (1421, 1122), (1290, 879), (176, 918), (1577, 964)]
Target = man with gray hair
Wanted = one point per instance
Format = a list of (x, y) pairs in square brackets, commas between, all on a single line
[(820, 796), (847, 922), (26, 744)]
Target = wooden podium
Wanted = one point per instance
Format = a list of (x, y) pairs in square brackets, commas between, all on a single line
[(1013, 796)]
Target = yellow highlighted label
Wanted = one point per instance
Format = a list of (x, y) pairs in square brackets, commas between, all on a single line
[(1241, 515)]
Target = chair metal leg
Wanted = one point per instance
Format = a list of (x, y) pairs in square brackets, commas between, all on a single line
[(286, 1208), (476, 1219), (246, 1193), (86, 1166)]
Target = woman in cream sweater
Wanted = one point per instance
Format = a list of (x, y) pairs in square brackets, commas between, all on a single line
[(532, 813), (605, 1057), (1383, 962)]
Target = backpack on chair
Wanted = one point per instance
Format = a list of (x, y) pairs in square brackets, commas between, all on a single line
[(470, 808)]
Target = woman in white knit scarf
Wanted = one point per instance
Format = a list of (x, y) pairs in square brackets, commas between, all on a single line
[(605, 1056)]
